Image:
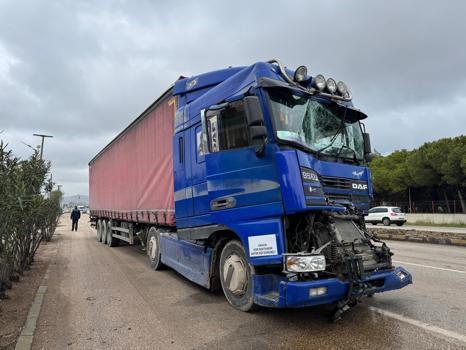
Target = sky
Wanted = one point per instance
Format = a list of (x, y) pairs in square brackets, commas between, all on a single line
[(83, 70)]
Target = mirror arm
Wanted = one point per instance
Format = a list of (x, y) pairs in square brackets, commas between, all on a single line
[(260, 150)]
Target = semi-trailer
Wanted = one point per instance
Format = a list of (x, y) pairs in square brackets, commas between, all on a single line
[(251, 179)]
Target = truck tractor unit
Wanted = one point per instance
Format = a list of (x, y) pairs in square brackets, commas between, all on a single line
[(251, 179)]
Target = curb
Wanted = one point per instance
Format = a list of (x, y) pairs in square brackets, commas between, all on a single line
[(422, 239), (27, 334)]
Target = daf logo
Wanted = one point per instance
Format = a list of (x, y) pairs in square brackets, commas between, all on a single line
[(359, 186), (358, 173)]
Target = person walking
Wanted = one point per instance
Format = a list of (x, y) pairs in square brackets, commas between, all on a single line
[(75, 216)]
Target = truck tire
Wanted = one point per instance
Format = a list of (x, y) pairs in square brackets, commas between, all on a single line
[(104, 232), (236, 277), (99, 230), (386, 221), (111, 241), (153, 249)]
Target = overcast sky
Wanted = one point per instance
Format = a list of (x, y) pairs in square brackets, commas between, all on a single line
[(83, 70)]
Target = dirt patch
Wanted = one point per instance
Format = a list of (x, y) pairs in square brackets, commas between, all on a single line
[(420, 236), (14, 311)]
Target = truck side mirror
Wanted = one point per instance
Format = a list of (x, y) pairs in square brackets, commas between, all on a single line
[(253, 111), (255, 119), (367, 143), (257, 132), (368, 155)]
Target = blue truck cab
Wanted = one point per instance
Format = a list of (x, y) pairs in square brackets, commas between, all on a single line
[(271, 186)]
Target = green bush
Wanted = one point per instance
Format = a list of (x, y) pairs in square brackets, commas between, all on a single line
[(29, 212)]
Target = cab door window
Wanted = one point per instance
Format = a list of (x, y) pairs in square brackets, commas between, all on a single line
[(228, 128)]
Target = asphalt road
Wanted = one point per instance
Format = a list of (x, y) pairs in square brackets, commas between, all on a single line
[(108, 298), (461, 230)]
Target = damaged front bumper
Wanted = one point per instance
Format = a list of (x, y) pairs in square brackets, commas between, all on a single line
[(276, 291)]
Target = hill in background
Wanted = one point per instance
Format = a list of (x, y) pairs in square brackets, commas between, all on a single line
[(77, 199)]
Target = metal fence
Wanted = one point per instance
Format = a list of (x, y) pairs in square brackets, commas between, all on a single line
[(437, 207)]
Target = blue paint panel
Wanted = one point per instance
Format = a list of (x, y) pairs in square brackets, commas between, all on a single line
[(290, 181), (271, 291), (261, 227), (190, 260), (242, 175), (327, 168), (182, 207), (204, 80), (289, 163), (201, 204), (194, 221)]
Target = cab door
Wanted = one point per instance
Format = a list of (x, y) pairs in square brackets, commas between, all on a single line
[(239, 180)]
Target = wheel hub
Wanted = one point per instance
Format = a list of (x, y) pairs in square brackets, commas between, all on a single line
[(152, 247), (235, 275)]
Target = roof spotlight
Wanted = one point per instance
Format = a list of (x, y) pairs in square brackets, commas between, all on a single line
[(342, 89), (300, 74), (319, 81), (331, 85)]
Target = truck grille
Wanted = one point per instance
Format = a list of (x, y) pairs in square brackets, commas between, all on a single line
[(334, 197), (336, 182)]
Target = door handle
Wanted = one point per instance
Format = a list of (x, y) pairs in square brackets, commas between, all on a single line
[(224, 203)]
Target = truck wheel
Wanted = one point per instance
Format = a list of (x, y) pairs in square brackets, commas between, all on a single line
[(153, 249), (236, 276), (386, 221), (104, 232), (111, 241), (99, 230)]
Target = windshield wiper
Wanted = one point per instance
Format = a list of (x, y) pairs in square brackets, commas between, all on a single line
[(355, 159)]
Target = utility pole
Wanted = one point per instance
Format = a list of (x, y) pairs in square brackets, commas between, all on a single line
[(42, 144)]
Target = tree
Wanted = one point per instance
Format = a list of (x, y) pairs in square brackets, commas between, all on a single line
[(390, 174), (439, 165)]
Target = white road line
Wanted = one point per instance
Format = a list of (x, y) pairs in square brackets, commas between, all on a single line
[(420, 324), (429, 267)]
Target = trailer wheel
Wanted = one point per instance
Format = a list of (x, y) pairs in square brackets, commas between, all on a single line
[(236, 276), (104, 231), (153, 249), (99, 230), (111, 241)]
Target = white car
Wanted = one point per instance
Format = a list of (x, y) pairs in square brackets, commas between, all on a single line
[(386, 216)]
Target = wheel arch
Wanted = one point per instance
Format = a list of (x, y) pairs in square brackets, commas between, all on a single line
[(217, 240)]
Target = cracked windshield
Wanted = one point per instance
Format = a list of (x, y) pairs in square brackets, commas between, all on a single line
[(320, 127)]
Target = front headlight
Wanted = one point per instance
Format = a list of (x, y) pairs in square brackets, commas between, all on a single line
[(304, 263)]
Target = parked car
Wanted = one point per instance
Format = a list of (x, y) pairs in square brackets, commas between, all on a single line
[(386, 216), (83, 209)]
